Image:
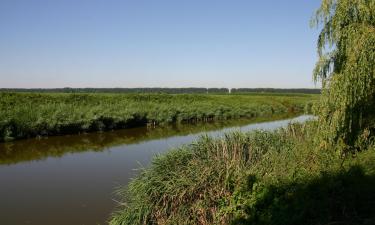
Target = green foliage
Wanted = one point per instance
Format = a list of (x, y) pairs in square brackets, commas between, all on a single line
[(276, 90), (30, 149), (24, 115), (343, 197), (346, 48), (116, 90), (254, 178), (165, 90), (191, 184)]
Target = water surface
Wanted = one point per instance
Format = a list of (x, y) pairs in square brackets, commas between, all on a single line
[(70, 180)]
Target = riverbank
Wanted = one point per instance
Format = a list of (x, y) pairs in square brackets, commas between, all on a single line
[(261, 177), (35, 149), (26, 115)]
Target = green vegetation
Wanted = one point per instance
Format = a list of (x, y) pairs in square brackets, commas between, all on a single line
[(119, 90), (165, 90), (254, 178), (320, 172), (42, 148), (347, 70), (276, 90), (24, 115)]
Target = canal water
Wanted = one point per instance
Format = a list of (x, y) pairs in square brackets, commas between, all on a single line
[(70, 180)]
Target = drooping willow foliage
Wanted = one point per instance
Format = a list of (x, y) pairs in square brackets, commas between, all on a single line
[(346, 66)]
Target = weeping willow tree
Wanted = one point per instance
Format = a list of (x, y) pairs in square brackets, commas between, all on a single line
[(346, 66)]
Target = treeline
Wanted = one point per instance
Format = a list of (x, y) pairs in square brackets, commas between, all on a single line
[(121, 90), (163, 90), (276, 90)]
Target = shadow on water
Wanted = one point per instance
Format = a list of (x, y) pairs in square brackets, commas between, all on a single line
[(341, 198), (39, 149)]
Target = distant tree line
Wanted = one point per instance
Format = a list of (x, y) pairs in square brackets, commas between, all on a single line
[(163, 90), (111, 90), (276, 90)]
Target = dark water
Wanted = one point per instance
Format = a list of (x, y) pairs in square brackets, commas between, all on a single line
[(70, 180)]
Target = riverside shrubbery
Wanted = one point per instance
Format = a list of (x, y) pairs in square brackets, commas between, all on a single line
[(253, 178), (24, 115)]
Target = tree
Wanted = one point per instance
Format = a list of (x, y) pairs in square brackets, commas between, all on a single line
[(346, 48)]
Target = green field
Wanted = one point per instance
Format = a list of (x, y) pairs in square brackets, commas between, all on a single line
[(25, 115)]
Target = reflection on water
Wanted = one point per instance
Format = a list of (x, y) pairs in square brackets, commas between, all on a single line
[(39, 149), (70, 179)]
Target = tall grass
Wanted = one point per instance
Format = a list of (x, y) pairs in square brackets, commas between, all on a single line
[(24, 115), (253, 178)]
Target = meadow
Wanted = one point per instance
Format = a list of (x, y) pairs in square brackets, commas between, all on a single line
[(26, 115)]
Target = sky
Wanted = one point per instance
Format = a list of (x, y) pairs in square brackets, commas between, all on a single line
[(157, 43)]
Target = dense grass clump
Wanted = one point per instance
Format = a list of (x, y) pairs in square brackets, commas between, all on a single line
[(253, 178), (24, 115)]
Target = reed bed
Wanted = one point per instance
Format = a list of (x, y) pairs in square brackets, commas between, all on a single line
[(25, 115)]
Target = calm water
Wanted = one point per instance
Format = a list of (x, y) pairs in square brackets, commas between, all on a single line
[(70, 180)]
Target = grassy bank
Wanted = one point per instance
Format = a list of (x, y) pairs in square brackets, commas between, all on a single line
[(24, 115), (254, 178), (58, 146)]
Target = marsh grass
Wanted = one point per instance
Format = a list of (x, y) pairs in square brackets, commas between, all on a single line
[(250, 179), (25, 115)]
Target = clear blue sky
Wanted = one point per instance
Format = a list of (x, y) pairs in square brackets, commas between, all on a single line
[(157, 43)]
